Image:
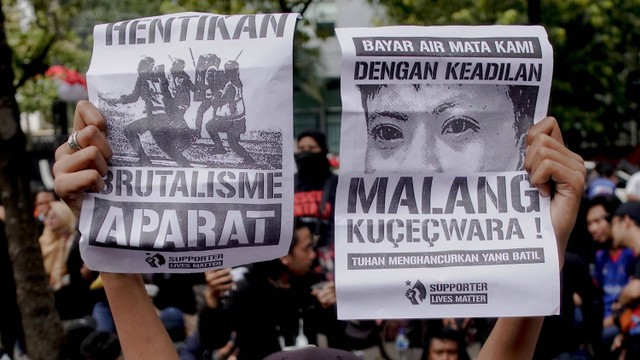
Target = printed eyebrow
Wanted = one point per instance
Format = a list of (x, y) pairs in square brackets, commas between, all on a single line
[(443, 107), (391, 114)]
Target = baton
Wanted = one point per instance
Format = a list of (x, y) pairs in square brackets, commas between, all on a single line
[(236, 59), (192, 59)]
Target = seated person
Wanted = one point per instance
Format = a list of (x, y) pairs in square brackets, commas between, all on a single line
[(445, 344), (271, 308)]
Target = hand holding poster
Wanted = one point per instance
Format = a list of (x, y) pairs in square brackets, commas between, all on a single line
[(436, 217), (199, 118)]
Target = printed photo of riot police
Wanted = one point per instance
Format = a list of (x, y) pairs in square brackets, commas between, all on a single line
[(229, 114), (446, 128), (174, 105), (208, 85), (163, 119)]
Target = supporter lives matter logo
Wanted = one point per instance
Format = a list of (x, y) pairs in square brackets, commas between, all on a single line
[(155, 261), (449, 293), (415, 292)]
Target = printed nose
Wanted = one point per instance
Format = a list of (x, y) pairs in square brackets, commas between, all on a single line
[(424, 150), (431, 160)]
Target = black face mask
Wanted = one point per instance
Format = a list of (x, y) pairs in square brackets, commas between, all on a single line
[(312, 166)]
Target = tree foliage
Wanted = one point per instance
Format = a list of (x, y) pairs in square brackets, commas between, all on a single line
[(43, 33), (40, 322), (596, 46), (306, 66)]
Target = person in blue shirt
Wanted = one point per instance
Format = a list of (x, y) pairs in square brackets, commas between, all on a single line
[(613, 266)]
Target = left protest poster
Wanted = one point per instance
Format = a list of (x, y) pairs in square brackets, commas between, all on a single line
[(200, 120)]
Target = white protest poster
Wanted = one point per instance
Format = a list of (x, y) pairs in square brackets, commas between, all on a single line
[(200, 120), (435, 216)]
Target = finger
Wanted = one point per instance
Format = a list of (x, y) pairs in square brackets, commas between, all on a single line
[(87, 137), (546, 141), (546, 149), (87, 114), (220, 281), (90, 158), (71, 187), (547, 126), (568, 178), (212, 274)]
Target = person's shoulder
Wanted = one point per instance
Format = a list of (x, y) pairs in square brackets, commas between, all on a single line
[(601, 255), (628, 253)]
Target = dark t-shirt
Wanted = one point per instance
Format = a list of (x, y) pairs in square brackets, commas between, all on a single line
[(308, 198), (259, 313)]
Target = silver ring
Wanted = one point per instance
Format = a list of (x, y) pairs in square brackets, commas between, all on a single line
[(73, 142)]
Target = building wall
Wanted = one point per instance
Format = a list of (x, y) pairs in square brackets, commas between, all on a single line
[(328, 15)]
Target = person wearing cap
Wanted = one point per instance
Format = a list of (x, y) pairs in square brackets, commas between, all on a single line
[(604, 183), (553, 169)]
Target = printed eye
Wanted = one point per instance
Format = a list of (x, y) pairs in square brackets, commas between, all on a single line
[(386, 135), (458, 125)]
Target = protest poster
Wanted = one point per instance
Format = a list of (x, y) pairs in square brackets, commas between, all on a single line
[(200, 120), (435, 216)]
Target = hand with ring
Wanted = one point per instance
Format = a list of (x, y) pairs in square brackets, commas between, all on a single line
[(81, 162), (73, 142)]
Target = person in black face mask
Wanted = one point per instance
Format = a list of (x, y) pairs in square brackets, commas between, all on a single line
[(311, 158), (313, 204), (315, 193)]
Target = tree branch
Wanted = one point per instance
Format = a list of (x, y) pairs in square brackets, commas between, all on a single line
[(306, 5), (283, 6), (36, 65)]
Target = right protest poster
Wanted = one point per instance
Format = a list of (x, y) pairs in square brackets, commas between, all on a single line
[(435, 216)]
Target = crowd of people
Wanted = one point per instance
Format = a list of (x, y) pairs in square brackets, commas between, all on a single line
[(258, 310)]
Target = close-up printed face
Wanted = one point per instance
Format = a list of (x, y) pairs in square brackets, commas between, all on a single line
[(443, 128)]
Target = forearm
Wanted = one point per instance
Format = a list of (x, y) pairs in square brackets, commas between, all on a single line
[(512, 338), (141, 333), (630, 293)]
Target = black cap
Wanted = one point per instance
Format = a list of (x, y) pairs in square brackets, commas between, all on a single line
[(631, 209)]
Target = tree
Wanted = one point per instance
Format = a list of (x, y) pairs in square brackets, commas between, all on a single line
[(595, 49), (31, 40), (34, 35), (306, 67), (41, 324)]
